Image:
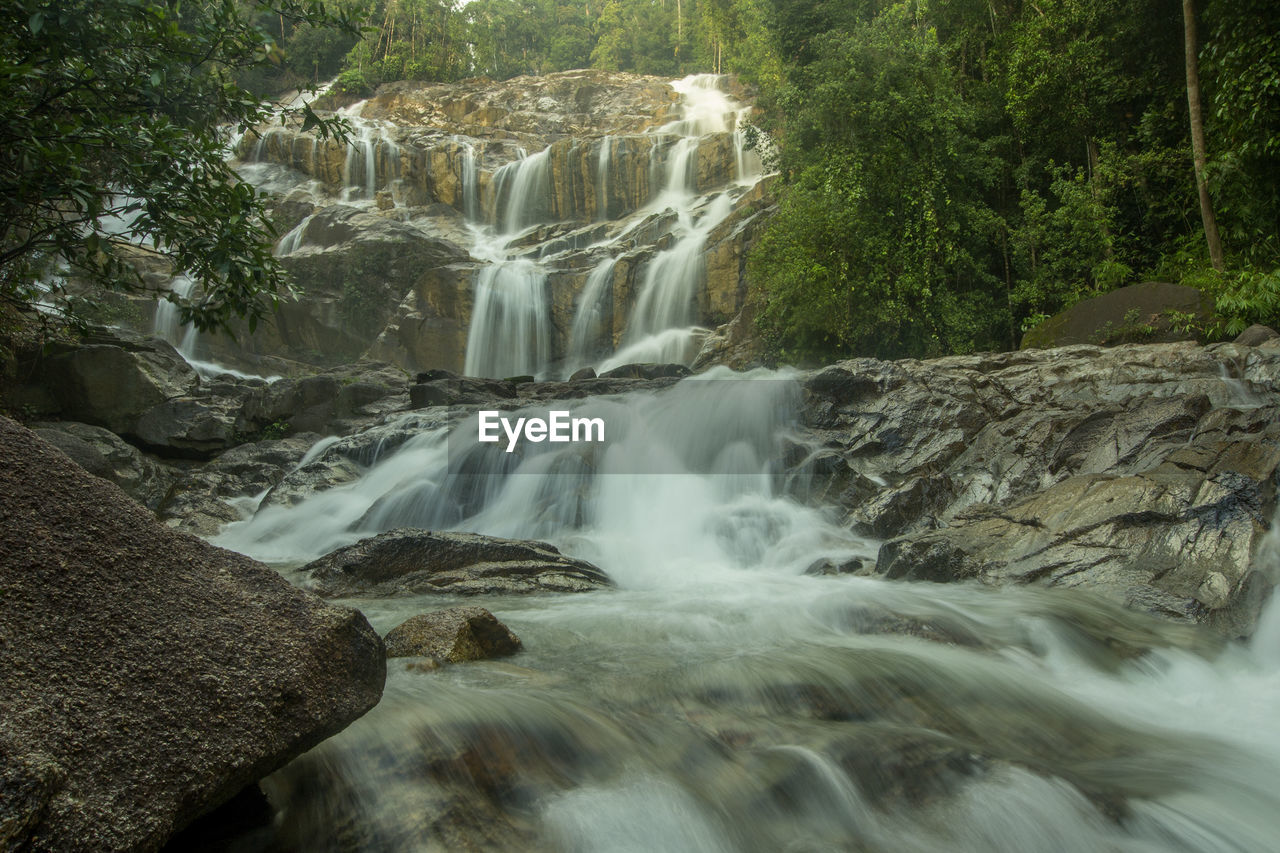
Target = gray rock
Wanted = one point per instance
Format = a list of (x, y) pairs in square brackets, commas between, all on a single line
[(104, 454), (1256, 335), (646, 371), (407, 561), (1146, 472), (452, 636), (146, 675), (114, 383), (203, 499)]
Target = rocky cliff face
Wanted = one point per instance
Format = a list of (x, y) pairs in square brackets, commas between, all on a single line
[(515, 196)]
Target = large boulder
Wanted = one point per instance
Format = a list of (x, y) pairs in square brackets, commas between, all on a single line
[(104, 454), (408, 561), (112, 382), (145, 675), (1152, 311)]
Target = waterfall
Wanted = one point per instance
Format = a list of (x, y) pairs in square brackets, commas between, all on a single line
[(584, 335), (748, 167), (602, 177), (289, 243), (672, 279), (167, 324), (522, 192), (470, 183), (360, 169), (510, 331), (721, 699)]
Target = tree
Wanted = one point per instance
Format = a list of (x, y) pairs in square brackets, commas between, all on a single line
[(114, 117), (881, 242), (1197, 134)]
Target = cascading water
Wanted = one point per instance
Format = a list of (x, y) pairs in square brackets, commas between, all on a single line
[(673, 277), (584, 337), (602, 177), (366, 147), (510, 325), (470, 183), (522, 192), (167, 324), (721, 699)]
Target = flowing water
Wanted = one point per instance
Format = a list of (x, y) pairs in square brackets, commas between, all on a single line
[(660, 326), (722, 699)]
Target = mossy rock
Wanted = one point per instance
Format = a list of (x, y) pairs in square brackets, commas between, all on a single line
[(1151, 312)]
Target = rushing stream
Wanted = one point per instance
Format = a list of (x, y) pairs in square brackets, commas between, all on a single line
[(721, 699)]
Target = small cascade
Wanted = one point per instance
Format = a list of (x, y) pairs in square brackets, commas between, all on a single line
[(290, 242), (510, 331), (360, 171), (747, 161), (470, 183), (168, 325), (673, 277), (682, 168), (522, 192), (602, 178), (584, 335)]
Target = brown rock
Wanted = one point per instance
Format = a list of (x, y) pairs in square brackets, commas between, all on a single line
[(454, 635)]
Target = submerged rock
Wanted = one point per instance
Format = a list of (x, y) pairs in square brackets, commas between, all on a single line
[(408, 561), (452, 636), (145, 675)]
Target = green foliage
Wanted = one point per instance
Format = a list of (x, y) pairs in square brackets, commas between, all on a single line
[(874, 248), (352, 83), (110, 134), (955, 172), (1249, 297)]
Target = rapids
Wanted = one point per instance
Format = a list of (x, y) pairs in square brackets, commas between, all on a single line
[(722, 699)]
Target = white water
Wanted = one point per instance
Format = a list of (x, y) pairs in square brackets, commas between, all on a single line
[(470, 183), (602, 177), (720, 699), (510, 324), (593, 308), (370, 142), (168, 326), (659, 325), (522, 193)]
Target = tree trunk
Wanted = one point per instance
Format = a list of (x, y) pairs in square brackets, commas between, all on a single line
[(1197, 134)]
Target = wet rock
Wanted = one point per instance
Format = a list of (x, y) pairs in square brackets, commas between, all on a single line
[(1144, 471), (147, 675), (646, 371), (1176, 540), (336, 401), (104, 454), (112, 382), (452, 636), (204, 498), (451, 390), (583, 373), (408, 561), (1257, 335)]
